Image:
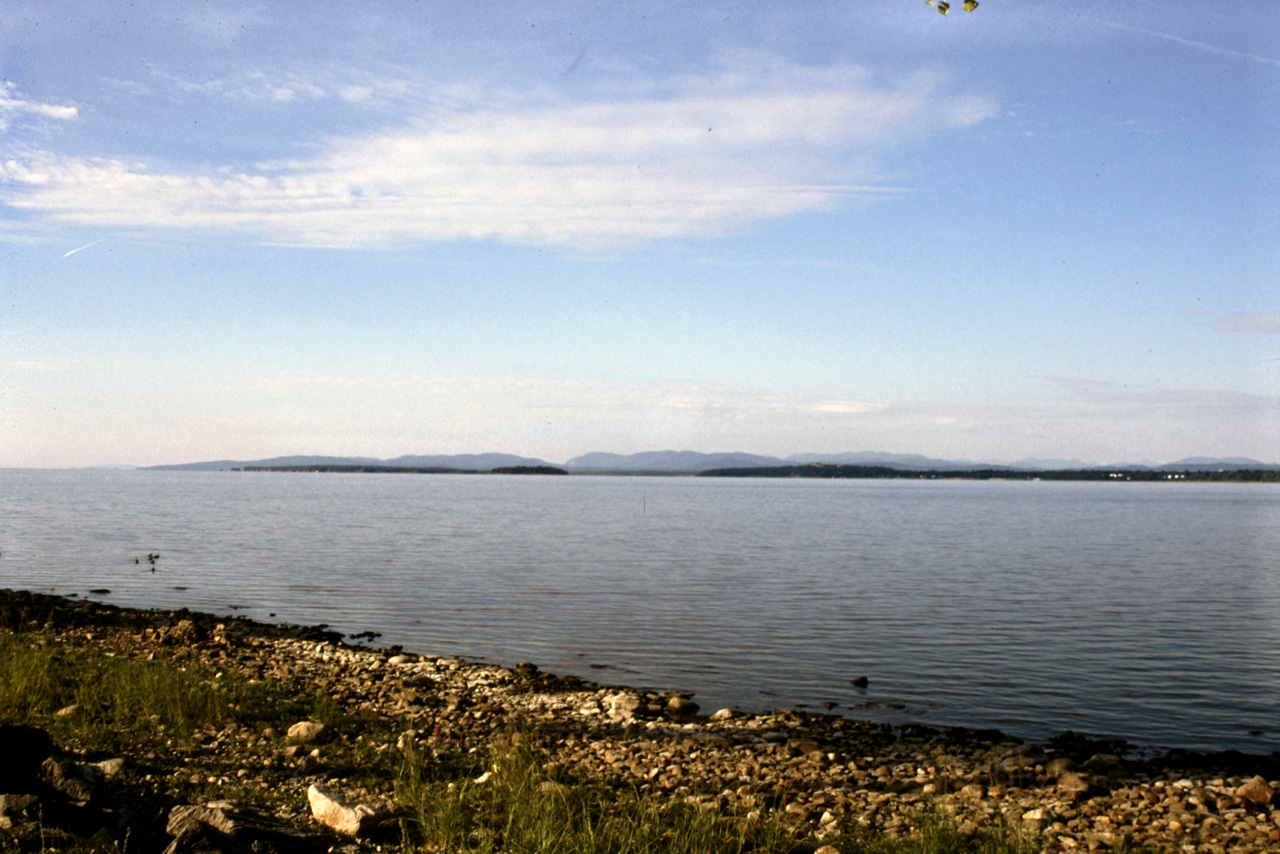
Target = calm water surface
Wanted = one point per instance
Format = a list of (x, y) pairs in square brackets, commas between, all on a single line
[(1144, 611)]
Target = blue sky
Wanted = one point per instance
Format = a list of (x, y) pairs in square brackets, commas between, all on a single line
[(1040, 229)]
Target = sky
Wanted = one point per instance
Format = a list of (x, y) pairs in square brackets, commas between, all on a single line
[(234, 230)]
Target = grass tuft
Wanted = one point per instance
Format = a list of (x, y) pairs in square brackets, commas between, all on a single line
[(117, 701), (504, 801)]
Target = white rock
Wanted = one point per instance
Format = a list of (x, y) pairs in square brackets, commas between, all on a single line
[(722, 715), (305, 730), (111, 767), (622, 707), (336, 812)]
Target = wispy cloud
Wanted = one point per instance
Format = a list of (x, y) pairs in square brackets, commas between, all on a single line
[(694, 156), (286, 87), (81, 248), (1197, 45), (13, 103), (1164, 404), (1267, 322), (48, 364)]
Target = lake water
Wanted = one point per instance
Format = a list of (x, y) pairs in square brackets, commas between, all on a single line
[(1144, 611)]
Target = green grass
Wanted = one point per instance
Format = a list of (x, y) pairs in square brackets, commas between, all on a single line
[(120, 702), (519, 809)]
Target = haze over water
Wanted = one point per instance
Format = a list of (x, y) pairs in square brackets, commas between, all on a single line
[(1144, 611)]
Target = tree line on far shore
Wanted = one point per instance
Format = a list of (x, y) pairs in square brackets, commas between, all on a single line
[(841, 471), (363, 469), (825, 470)]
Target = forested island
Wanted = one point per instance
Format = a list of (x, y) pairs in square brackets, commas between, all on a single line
[(372, 469), (361, 469)]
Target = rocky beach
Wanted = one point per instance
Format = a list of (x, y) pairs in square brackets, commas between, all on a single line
[(302, 786)]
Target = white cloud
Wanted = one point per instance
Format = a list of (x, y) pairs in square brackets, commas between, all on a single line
[(1262, 321), (12, 103), (846, 407), (701, 156)]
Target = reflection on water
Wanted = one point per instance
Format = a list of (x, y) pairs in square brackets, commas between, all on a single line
[(1148, 611)]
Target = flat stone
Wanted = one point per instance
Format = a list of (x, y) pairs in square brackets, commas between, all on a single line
[(304, 731), (229, 826)]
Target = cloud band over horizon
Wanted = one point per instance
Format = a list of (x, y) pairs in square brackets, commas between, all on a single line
[(698, 157)]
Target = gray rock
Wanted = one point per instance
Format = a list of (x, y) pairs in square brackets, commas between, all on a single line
[(16, 807), (184, 633), (76, 782), (231, 827), (1106, 765)]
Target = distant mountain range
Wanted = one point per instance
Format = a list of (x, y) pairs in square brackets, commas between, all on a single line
[(688, 462)]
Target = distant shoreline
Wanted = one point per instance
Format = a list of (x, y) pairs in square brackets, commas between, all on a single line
[(854, 472), (826, 471)]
